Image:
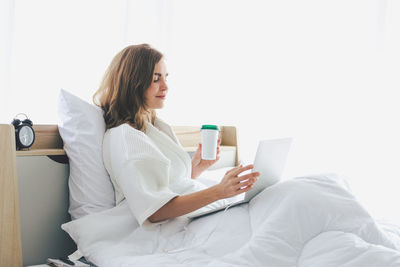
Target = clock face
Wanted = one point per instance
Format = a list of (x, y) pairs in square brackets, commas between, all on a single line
[(26, 136)]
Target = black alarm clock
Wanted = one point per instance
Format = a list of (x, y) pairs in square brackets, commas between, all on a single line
[(24, 133)]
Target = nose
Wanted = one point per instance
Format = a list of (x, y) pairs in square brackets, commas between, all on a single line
[(163, 85)]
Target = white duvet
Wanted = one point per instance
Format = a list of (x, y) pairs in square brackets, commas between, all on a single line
[(305, 222)]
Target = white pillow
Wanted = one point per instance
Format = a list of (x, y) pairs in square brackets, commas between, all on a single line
[(91, 232), (82, 128)]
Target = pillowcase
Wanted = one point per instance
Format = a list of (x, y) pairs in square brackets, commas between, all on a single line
[(82, 129), (91, 232)]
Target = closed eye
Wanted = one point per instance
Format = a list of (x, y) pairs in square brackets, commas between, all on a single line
[(158, 75)]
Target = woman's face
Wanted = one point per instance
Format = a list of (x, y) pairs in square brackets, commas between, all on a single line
[(156, 94)]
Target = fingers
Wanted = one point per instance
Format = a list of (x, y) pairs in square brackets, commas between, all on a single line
[(235, 184), (247, 180), (244, 189), (239, 170), (251, 179), (235, 168), (247, 176)]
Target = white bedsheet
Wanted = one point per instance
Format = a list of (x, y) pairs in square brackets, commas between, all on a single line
[(305, 222)]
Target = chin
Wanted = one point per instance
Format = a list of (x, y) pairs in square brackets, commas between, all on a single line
[(158, 107)]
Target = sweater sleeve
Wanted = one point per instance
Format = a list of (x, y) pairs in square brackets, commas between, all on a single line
[(143, 177)]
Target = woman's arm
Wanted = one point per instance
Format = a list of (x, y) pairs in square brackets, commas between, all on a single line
[(231, 185)]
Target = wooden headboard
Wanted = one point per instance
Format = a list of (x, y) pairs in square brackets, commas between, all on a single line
[(34, 191)]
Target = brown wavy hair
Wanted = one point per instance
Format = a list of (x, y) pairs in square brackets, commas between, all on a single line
[(121, 94)]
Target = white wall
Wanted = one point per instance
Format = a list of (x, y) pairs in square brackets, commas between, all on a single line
[(323, 72)]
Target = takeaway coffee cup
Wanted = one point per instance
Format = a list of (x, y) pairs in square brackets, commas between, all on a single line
[(209, 140)]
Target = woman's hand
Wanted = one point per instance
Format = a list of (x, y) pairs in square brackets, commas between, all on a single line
[(232, 184), (199, 165)]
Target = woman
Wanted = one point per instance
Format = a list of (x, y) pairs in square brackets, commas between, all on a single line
[(307, 221), (145, 161)]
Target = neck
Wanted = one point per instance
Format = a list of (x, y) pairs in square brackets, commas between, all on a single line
[(150, 116)]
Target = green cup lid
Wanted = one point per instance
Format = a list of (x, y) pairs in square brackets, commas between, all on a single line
[(209, 127)]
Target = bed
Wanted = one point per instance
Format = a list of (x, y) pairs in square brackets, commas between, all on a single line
[(34, 192), (34, 208), (303, 221)]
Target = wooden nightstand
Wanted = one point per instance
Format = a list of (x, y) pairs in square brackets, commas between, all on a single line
[(33, 199)]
